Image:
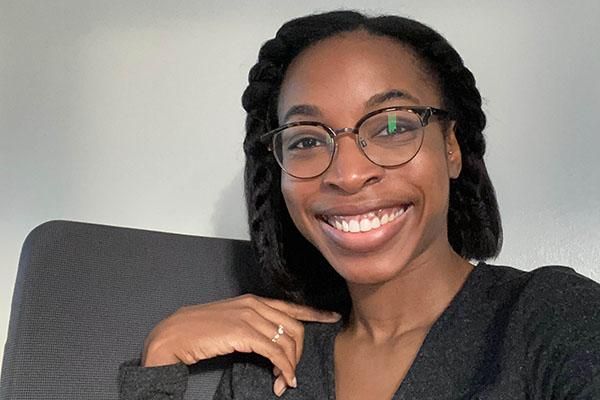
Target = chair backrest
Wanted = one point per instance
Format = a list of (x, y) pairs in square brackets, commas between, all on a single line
[(87, 295)]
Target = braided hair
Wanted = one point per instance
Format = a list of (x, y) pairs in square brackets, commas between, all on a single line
[(292, 268)]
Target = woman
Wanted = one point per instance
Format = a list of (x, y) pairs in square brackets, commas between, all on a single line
[(368, 195)]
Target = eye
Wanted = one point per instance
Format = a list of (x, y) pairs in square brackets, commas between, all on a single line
[(304, 138), (392, 125), (398, 128), (306, 142), (391, 130)]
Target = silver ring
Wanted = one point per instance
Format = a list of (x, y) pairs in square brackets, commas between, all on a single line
[(280, 332)]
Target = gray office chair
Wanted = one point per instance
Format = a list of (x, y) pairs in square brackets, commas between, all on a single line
[(87, 295)]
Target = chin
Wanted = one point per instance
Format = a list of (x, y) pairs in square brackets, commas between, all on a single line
[(368, 269)]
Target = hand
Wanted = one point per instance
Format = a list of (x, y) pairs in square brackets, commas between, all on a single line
[(245, 324)]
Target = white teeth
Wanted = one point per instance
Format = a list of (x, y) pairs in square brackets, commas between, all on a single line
[(370, 221), (385, 219), (365, 225), (375, 223)]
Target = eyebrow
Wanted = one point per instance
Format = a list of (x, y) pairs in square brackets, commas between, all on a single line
[(389, 95), (375, 100), (302, 109)]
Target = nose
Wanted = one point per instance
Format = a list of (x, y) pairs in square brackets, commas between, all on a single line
[(350, 170)]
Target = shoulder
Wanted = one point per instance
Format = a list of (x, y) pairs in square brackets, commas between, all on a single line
[(552, 298), (318, 337), (547, 321), (550, 283), (563, 284)]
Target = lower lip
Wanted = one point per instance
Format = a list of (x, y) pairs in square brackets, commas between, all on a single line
[(365, 242)]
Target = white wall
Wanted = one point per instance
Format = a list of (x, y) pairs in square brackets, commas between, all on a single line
[(128, 113)]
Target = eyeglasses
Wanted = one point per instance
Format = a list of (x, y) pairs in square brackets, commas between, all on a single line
[(388, 137)]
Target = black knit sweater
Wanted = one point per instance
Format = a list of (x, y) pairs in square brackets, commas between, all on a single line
[(507, 334)]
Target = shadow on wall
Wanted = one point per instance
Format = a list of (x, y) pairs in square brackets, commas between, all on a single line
[(229, 217)]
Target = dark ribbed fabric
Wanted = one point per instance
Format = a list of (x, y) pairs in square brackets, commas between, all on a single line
[(507, 334)]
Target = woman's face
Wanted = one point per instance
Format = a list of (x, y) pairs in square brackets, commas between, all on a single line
[(341, 79)]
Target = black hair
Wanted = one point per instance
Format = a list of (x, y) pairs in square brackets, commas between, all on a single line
[(292, 267)]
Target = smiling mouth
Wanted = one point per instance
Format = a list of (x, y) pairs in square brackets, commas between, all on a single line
[(372, 220)]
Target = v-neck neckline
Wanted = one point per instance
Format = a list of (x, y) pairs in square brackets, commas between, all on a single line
[(416, 365)]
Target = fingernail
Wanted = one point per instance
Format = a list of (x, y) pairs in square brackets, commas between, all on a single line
[(336, 315), (279, 387), (294, 383)]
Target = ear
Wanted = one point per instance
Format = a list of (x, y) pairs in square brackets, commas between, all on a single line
[(453, 154)]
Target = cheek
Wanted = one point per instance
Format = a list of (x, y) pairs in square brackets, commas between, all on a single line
[(288, 195), (287, 189), (436, 152), (433, 174), (294, 197), (439, 183)]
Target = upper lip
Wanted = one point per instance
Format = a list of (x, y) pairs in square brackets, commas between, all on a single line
[(361, 208)]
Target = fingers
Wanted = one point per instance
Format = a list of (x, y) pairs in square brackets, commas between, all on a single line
[(281, 334), (273, 351), (272, 318), (279, 386), (300, 312), (287, 314), (295, 346)]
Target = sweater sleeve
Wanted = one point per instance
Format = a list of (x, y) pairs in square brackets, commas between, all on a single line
[(152, 383)]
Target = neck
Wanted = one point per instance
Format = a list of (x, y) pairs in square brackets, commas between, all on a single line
[(414, 299)]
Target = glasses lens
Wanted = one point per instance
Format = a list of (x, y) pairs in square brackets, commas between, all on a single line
[(303, 151), (391, 137)]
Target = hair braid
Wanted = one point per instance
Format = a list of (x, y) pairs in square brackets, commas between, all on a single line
[(478, 232), (261, 173)]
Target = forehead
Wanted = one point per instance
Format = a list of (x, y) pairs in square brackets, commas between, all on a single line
[(344, 71)]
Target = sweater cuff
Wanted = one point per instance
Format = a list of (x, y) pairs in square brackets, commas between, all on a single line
[(141, 383)]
